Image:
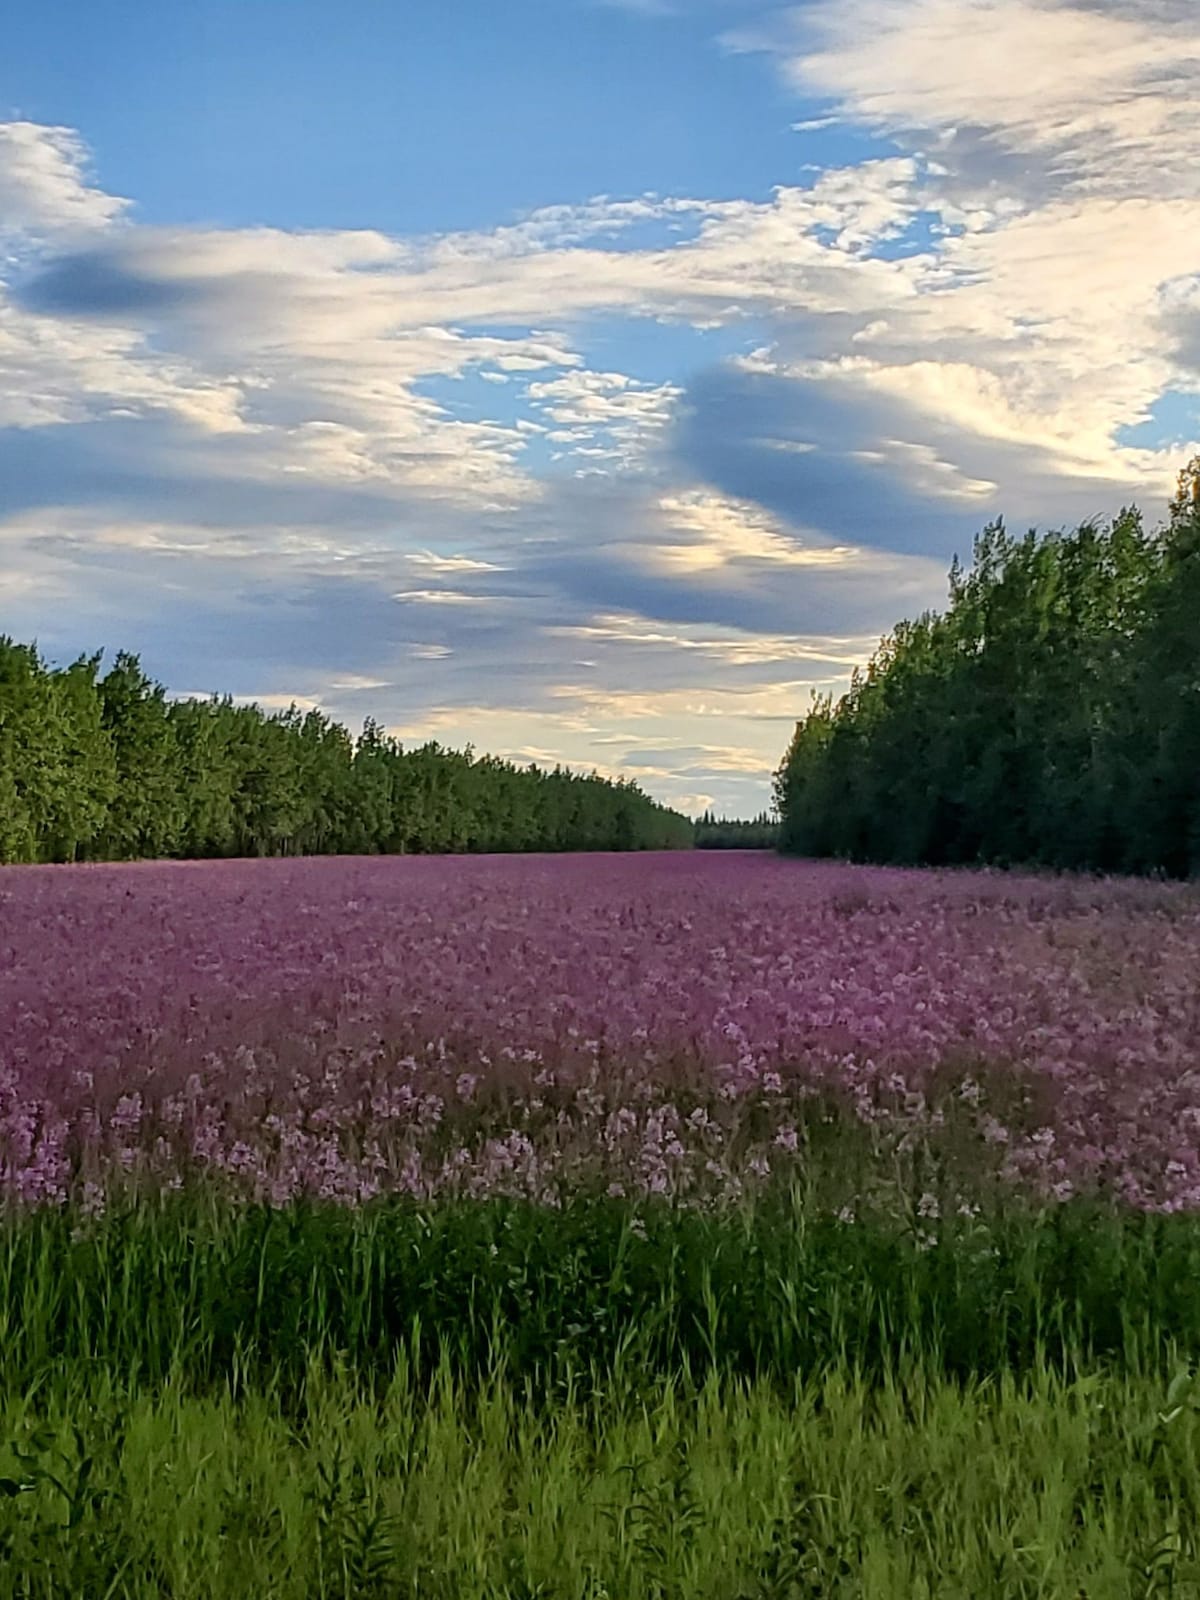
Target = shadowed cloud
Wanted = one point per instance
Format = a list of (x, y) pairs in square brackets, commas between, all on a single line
[(96, 283), (827, 454)]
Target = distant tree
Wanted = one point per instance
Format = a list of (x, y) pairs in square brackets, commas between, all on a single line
[(733, 833), (102, 768)]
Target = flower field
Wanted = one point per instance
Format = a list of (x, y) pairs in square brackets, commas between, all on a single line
[(693, 1226), (669, 1024)]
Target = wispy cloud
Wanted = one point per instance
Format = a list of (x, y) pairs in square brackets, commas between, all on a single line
[(1120, 120)]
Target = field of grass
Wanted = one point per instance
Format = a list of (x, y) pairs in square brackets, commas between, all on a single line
[(911, 1486), (491, 1398), (488, 1398), (834, 1240)]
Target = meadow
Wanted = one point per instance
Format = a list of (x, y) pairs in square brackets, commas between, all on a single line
[(682, 1224)]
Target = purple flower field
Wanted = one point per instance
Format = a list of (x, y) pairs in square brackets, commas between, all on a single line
[(674, 1024)]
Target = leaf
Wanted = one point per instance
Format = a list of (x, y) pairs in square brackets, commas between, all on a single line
[(1179, 1386)]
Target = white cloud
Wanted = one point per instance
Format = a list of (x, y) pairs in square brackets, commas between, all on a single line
[(441, 565), (725, 645), (1104, 94), (440, 597), (605, 415), (701, 534), (44, 192), (1062, 217)]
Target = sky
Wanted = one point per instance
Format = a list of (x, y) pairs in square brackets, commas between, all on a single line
[(582, 380)]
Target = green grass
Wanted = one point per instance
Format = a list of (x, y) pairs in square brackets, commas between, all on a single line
[(204, 1293), (907, 1487), (495, 1399)]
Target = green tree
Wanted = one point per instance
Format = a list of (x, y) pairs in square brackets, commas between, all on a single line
[(146, 813), (1051, 715)]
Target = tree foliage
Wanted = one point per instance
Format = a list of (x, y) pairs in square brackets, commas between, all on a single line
[(108, 768), (1050, 716), (737, 833)]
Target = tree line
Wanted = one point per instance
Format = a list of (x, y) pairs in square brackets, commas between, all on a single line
[(736, 833), (1051, 716), (100, 767)]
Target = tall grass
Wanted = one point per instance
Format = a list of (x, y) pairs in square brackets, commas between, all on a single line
[(200, 1293), (1043, 1486), (604, 1400)]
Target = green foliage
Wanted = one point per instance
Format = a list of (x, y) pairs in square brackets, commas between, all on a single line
[(57, 768), (205, 1294), (730, 833), (489, 1399), (1050, 717), (145, 815), (109, 769), (1048, 1486)]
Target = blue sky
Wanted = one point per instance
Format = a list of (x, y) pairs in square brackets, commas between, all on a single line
[(409, 118), (589, 381)]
